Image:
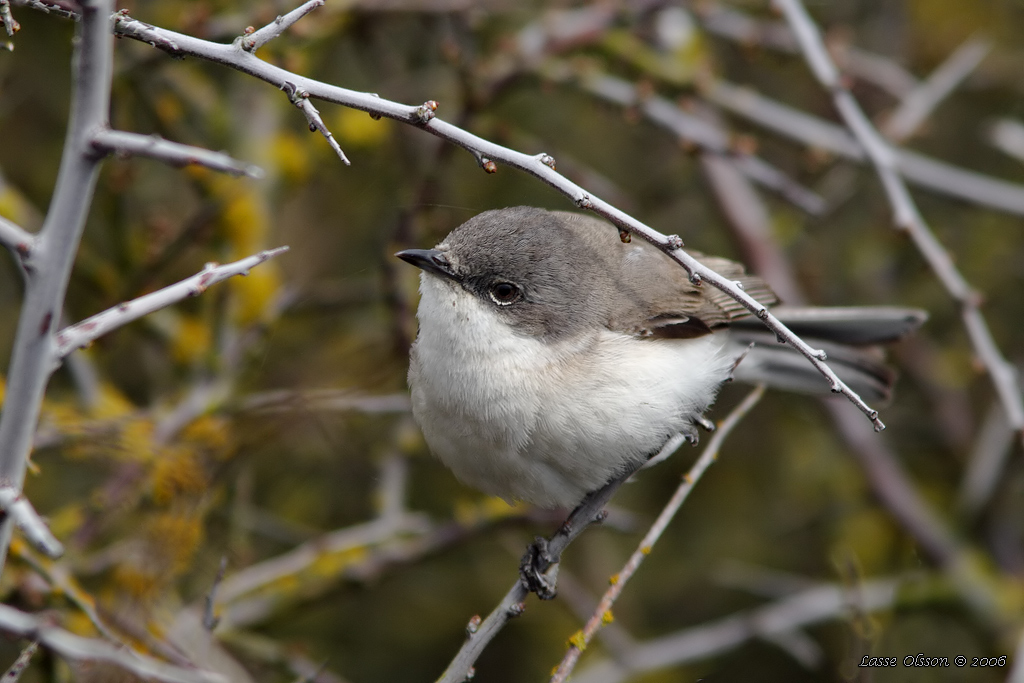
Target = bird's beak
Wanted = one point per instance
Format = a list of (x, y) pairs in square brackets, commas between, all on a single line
[(430, 260)]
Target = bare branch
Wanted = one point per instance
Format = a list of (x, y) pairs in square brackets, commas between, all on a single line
[(906, 215), (84, 333), (75, 647), (602, 614), (61, 9), (7, 19), (1017, 671), (28, 520), (341, 400), (123, 143), (257, 39), (237, 612), (783, 617), (691, 130), (540, 166), (300, 98), (987, 461), (1007, 136), (821, 134), (31, 361), (732, 24), (918, 105), (13, 674), (17, 239)]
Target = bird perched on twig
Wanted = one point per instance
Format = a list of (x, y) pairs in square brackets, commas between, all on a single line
[(553, 356)]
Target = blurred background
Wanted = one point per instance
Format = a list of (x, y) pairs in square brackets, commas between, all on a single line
[(266, 422)]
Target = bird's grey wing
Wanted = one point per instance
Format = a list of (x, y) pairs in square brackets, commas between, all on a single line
[(653, 294)]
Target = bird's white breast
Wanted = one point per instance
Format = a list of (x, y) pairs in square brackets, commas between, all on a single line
[(547, 422)]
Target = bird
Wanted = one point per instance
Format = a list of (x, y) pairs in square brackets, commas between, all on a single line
[(554, 355)]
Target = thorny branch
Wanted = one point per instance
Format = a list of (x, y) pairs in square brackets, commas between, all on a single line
[(602, 613), (906, 214), (84, 333), (806, 608), (540, 166), (75, 647)]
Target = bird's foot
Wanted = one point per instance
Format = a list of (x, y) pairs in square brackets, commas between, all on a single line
[(538, 570)]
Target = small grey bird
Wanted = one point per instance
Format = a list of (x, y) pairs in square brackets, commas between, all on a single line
[(553, 357)]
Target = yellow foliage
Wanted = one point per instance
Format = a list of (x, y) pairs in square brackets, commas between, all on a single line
[(870, 536), (138, 584), (168, 108), (471, 513), (578, 640), (354, 128), (111, 402), (177, 472), (255, 293), (66, 520), (177, 537), (329, 565), (291, 156), (136, 440), (244, 223), (191, 341), (210, 433), (78, 623)]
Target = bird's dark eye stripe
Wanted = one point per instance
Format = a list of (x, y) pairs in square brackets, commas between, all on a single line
[(504, 293)]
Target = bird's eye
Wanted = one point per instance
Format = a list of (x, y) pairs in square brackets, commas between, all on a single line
[(504, 293)]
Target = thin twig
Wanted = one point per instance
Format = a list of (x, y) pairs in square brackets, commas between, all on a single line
[(918, 105), (480, 633), (76, 647), (691, 130), (818, 133), (602, 613), (25, 517), (340, 400), (210, 620), (257, 39), (540, 166), (785, 616), (20, 664), (906, 214), (300, 98), (17, 239), (84, 333), (126, 144), (7, 19), (1007, 136), (732, 24), (31, 363)]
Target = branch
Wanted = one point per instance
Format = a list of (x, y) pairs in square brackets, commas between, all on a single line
[(1007, 136), (691, 130), (31, 362), (123, 143), (300, 98), (84, 333), (90, 649), (920, 102), (906, 215), (254, 40), (25, 517), (821, 134), (8, 21), (602, 613), (540, 166), (340, 400), (13, 674), (782, 617), (17, 239), (732, 24)]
